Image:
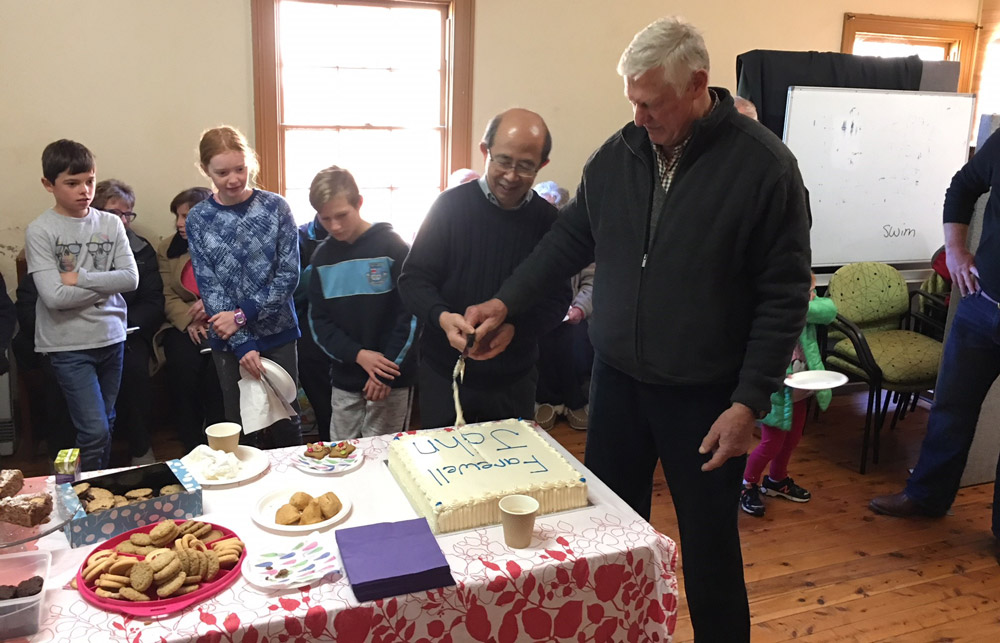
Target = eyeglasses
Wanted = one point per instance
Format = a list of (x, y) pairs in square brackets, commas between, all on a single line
[(128, 216), (523, 169), (97, 246)]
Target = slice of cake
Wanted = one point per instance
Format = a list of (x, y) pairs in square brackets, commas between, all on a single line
[(11, 481), (456, 477), (27, 510)]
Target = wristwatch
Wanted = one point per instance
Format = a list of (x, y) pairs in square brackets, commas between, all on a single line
[(239, 317)]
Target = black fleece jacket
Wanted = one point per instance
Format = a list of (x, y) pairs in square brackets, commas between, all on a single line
[(720, 293), (465, 249)]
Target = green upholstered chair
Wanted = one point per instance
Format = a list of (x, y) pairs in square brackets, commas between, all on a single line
[(879, 347)]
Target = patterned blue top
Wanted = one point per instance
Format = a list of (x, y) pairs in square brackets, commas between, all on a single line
[(247, 256)]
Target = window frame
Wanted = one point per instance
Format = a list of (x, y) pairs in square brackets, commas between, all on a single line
[(267, 87), (918, 30)]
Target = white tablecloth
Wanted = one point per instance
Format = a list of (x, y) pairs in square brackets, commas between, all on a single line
[(600, 572)]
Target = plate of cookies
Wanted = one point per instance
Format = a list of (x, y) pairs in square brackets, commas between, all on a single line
[(161, 568), (294, 511), (328, 457)]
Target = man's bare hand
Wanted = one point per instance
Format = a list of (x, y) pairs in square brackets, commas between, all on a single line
[(961, 265), (575, 315), (493, 343), (69, 278), (486, 317), (729, 436), (197, 311), (456, 329)]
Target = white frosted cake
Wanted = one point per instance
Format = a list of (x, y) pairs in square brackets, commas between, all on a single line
[(456, 477)]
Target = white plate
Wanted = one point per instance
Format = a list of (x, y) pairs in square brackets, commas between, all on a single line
[(263, 512), (815, 380), (299, 563), (253, 460), (328, 465), (280, 379)]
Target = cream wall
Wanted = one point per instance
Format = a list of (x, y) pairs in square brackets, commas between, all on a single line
[(558, 57), (135, 80), (140, 95)]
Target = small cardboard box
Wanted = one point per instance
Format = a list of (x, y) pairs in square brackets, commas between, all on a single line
[(87, 529)]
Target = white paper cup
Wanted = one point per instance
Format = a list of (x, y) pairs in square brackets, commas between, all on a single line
[(224, 436), (517, 515)]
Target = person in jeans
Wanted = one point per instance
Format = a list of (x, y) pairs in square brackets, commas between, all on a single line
[(971, 360), (81, 262)]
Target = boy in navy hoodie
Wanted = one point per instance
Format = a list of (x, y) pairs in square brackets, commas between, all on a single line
[(356, 315)]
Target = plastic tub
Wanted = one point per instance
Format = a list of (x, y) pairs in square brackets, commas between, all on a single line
[(22, 616)]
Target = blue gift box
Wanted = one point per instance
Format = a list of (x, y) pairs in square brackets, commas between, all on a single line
[(88, 529)]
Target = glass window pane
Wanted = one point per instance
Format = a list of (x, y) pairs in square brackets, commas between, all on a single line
[(314, 34), (314, 96)]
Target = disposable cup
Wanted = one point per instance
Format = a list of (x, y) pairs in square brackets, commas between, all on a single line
[(224, 436), (517, 515)]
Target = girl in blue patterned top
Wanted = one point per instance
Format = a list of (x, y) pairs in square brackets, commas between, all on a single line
[(244, 250)]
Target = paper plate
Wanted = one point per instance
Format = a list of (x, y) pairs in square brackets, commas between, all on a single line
[(263, 512), (328, 465), (254, 463), (280, 379), (158, 606), (301, 563), (815, 380)]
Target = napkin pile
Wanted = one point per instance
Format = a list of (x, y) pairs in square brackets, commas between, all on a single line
[(392, 558)]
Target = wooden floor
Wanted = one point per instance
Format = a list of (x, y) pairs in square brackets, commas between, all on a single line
[(830, 570)]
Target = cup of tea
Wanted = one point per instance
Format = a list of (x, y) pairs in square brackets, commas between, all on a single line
[(224, 436), (517, 515)]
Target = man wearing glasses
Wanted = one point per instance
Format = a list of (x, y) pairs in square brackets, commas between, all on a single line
[(474, 235)]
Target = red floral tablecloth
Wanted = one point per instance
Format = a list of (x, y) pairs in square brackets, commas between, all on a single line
[(594, 574)]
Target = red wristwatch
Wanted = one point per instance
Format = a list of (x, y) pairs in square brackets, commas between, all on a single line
[(239, 318)]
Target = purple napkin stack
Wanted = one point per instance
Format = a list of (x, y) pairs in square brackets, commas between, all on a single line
[(392, 558)]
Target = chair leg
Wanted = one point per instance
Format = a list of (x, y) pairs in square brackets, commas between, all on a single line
[(872, 410), (879, 420), (916, 398), (900, 411)]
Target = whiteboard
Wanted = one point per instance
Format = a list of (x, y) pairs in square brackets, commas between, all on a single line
[(877, 164)]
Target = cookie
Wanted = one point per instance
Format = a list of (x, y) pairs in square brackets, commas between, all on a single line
[(171, 488), (104, 593), (144, 492), (187, 589), (123, 566), (97, 492), (100, 503), (127, 547), (164, 533), (141, 577), (212, 566), (341, 450), (120, 501), (168, 572), (170, 586), (132, 594), (115, 578), (108, 584), (93, 570), (316, 451), (215, 534), (140, 540), (160, 561), (7, 592), (81, 488), (228, 560)]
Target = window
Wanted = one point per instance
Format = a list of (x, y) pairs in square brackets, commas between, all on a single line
[(870, 35), (378, 88)]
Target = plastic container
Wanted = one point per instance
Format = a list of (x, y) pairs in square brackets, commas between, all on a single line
[(22, 616)]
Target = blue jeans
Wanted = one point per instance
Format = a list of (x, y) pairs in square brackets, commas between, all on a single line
[(89, 380), (970, 364), (632, 425)]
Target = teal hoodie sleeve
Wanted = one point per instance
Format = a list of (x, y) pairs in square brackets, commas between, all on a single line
[(822, 310)]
